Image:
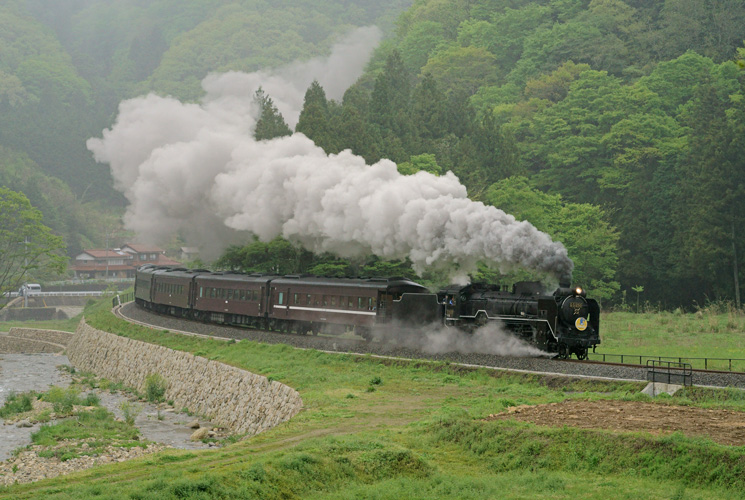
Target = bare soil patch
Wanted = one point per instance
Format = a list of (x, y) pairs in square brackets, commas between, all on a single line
[(722, 426)]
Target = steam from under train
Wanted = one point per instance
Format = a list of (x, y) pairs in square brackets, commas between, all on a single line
[(196, 169)]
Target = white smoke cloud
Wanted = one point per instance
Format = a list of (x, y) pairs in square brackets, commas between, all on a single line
[(287, 85), (491, 338), (196, 169)]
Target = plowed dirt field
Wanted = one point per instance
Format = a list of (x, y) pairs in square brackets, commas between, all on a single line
[(721, 426)]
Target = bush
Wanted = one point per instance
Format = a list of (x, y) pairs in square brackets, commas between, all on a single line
[(155, 388), (91, 399), (130, 412), (17, 403), (62, 400)]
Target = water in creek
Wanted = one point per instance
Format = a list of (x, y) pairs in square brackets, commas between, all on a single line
[(38, 372)]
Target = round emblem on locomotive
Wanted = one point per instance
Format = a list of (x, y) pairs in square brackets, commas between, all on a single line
[(580, 324)]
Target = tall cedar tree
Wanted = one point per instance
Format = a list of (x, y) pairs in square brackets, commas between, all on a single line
[(712, 185), (389, 109), (271, 123), (489, 155), (354, 129), (315, 120), (429, 113)]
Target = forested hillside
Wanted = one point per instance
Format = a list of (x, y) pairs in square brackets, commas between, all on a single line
[(615, 126)]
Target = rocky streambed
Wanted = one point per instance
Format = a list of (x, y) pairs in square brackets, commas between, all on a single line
[(162, 425)]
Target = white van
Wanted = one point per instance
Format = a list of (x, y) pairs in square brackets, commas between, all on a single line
[(30, 289)]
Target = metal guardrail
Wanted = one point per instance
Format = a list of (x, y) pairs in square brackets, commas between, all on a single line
[(669, 372), (734, 365), (57, 294)]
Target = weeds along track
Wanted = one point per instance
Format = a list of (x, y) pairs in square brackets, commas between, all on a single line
[(538, 365)]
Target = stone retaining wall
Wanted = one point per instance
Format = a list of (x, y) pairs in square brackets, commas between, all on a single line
[(33, 341), (52, 336), (236, 399)]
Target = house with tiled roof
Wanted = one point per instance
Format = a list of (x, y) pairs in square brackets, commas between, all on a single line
[(119, 262)]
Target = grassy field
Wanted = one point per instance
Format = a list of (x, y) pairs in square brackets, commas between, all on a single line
[(709, 333), (383, 429)]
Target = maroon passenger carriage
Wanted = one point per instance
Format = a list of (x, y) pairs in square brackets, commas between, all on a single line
[(334, 305), (164, 289), (304, 304)]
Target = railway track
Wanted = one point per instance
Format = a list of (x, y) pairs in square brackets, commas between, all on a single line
[(536, 365)]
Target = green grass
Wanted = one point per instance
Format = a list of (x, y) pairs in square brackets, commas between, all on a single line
[(17, 403), (419, 434), (97, 427), (709, 333), (65, 325), (91, 424)]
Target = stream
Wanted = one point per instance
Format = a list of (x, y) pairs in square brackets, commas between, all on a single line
[(38, 372)]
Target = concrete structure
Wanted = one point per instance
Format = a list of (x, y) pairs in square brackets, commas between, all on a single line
[(654, 389)]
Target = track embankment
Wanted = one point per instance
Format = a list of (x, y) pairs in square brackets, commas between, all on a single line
[(538, 365)]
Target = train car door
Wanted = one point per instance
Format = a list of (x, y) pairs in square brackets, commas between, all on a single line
[(385, 306), (283, 299), (264, 300)]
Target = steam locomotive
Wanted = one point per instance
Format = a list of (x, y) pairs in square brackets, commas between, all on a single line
[(565, 323)]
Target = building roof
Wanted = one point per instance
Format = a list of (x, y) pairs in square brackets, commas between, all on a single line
[(107, 254), (142, 248)]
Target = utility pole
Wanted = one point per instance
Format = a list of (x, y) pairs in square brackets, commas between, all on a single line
[(737, 279), (25, 267), (107, 255)]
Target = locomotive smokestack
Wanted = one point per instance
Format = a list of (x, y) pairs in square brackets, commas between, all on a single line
[(196, 169)]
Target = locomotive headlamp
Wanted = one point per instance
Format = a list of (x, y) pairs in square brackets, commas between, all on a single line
[(578, 290)]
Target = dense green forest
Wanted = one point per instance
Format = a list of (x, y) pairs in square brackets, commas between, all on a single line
[(615, 126)]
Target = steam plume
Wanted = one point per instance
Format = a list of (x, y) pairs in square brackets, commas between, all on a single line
[(488, 339), (195, 168)]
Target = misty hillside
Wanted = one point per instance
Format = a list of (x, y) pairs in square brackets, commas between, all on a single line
[(65, 66)]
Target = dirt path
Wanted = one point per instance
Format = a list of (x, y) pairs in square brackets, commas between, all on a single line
[(722, 426)]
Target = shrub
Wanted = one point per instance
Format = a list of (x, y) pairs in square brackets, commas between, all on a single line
[(62, 400), (17, 403), (91, 399), (130, 412), (155, 388)]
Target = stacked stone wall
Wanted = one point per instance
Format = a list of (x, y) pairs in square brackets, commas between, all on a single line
[(230, 397), (33, 341), (53, 336)]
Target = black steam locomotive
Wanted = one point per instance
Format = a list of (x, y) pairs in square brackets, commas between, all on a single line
[(564, 323)]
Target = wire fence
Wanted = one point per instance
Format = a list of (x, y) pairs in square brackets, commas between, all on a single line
[(735, 365)]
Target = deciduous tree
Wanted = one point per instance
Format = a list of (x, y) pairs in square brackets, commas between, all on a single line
[(27, 246)]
